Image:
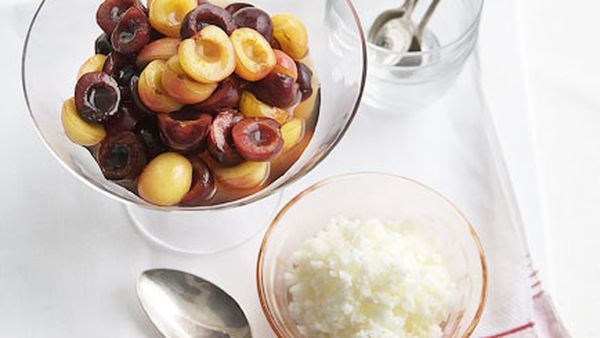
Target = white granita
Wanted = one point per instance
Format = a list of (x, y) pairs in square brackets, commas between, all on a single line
[(369, 279)]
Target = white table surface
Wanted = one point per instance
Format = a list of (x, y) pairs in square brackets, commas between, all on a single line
[(53, 228)]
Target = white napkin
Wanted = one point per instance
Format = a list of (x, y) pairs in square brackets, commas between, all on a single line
[(540, 318), (452, 147)]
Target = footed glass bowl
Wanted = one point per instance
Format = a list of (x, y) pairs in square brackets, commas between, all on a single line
[(61, 37)]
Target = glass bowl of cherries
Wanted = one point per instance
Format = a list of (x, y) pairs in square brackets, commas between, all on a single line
[(194, 113)]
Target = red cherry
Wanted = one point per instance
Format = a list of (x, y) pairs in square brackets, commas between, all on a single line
[(258, 139)]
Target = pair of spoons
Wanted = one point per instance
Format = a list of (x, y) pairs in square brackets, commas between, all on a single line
[(395, 30)]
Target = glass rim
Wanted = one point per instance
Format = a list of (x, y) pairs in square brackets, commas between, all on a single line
[(260, 265), (264, 193), (473, 25)]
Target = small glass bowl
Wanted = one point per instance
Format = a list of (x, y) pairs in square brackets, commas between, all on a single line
[(369, 195), (448, 40)]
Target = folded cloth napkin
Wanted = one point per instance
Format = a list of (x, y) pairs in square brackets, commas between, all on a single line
[(540, 318), (517, 304), (452, 147)]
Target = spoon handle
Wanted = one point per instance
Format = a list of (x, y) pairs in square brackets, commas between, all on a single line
[(410, 6), (426, 17)]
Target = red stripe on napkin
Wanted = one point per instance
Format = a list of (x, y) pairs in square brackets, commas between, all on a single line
[(513, 331)]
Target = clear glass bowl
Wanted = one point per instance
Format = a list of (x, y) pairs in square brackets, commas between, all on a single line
[(369, 195), (448, 41), (61, 37)]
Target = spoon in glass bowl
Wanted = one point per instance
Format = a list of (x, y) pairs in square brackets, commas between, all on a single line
[(393, 30), (417, 38), (182, 305)]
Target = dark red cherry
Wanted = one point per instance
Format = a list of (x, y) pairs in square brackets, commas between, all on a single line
[(304, 80), (148, 130), (121, 67), (203, 184), (220, 141), (97, 97), (257, 139), (226, 96), (122, 156), (135, 95), (276, 89), (110, 12), (206, 14), (125, 119), (184, 131), (132, 33), (103, 45), (275, 44), (256, 19), (236, 6)]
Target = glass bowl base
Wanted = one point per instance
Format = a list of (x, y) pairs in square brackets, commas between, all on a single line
[(204, 232)]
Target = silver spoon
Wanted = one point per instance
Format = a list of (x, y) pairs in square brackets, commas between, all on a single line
[(182, 305), (393, 30), (417, 39)]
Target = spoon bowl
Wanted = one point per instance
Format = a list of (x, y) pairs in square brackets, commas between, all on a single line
[(181, 305), (395, 30)]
